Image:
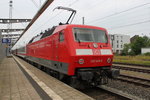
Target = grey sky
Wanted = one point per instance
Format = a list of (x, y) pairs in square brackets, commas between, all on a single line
[(131, 17)]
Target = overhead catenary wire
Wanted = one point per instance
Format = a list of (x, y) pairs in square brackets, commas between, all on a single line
[(43, 8), (72, 3), (119, 21), (127, 25), (141, 30), (118, 13), (51, 18), (16, 11), (35, 3), (47, 22), (42, 25)]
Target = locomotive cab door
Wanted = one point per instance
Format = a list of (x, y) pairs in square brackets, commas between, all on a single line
[(58, 42), (60, 50)]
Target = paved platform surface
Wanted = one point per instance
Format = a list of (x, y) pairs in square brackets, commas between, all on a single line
[(54, 88), (13, 83)]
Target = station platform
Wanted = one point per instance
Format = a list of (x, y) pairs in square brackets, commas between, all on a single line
[(22, 81), (13, 83)]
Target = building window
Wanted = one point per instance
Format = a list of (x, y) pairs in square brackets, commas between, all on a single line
[(121, 46), (112, 37), (117, 46)]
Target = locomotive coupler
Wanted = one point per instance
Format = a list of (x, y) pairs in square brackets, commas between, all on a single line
[(113, 73), (86, 76)]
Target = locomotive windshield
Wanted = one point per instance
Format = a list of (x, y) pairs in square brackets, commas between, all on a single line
[(90, 35)]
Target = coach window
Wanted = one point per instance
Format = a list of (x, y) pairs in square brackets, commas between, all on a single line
[(61, 36)]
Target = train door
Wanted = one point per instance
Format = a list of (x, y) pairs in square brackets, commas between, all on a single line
[(59, 45), (55, 47), (60, 50), (55, 51)]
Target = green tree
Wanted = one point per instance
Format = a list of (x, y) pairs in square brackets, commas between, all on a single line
[(139, 43), (126, 48), (147, 41)]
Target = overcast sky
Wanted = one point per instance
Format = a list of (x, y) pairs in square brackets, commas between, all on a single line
[(129, 17)]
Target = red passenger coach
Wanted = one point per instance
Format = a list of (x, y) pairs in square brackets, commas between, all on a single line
[(80, 52)]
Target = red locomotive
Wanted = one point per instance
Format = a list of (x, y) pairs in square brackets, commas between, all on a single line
[(80, 53)]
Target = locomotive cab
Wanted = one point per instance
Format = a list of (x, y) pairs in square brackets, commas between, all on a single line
[(90, 54)]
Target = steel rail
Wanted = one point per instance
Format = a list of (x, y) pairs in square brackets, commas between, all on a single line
[(131, 69), (119, 93), (131, 64), (134, 80)]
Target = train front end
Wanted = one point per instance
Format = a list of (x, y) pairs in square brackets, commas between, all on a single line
[(91, 55)]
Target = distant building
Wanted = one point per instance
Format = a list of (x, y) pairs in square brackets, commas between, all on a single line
[(118, 41), (145, 50)]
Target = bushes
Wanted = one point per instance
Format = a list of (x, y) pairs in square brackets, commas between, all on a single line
[(139, 60), (147, 54), (134, 48)]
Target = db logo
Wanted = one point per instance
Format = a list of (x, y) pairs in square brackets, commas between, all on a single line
[(96, 51)]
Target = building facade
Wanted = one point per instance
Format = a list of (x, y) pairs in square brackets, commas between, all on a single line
[(145, 50), (118, 41)]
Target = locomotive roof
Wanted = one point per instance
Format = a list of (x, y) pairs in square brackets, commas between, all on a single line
[(56, 29)]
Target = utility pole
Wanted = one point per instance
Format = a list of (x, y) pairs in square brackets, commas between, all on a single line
[(83, 20), (8, 45), (10, 13), (8, 39)]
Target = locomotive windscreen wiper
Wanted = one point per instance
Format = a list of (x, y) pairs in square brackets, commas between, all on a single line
[(68, 9)]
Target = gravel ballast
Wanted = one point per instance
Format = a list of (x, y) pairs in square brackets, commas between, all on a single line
[(133, 89)]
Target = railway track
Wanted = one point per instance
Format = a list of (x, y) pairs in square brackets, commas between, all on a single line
[(133, 77), (121, 95), (132, 68), (134, 80), (104, 93), (128, 90), (138, 65)]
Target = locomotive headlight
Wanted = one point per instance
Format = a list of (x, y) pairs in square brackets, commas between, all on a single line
[(108, 60), (81, 61)]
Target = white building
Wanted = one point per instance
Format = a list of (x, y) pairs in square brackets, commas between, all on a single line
[(118, 41), (145, 50)]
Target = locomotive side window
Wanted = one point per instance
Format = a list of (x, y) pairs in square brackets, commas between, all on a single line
[(61, 36), (90, 35)]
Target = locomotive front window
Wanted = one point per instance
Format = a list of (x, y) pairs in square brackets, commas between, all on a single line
[(90, 35)]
